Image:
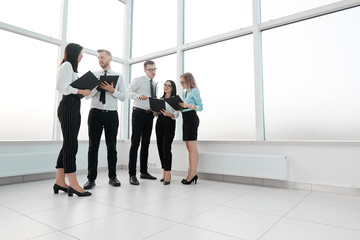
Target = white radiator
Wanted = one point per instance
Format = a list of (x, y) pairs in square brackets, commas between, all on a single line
[(13, 164), (270, 166)]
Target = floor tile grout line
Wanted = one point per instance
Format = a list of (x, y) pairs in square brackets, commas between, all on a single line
[(284, 216), (150, 215), (181, 223), (27, 215), (321, 204), (210, 209), (208, 230), (140, 205), (241, 194), (332, 205), (325, 224), (92, 220), (134, 206), (45, 210), (43, 235), (21, 214), (213, 207), (244, 209), (161, 231), (47, 225), (250, 211)]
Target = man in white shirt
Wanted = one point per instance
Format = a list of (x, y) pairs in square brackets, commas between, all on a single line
[(103, 115), (140, 89)]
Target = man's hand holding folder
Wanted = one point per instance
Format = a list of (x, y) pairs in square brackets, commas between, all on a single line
[(108, 83)]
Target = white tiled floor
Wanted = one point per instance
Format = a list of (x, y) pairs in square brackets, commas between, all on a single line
[(208, 210)]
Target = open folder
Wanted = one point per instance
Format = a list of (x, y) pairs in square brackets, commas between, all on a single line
[(174, 102), (110, 79), (157, 104), (86, 81)]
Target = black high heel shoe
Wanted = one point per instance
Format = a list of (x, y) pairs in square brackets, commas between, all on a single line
[(161, 180), (58, 187), (71, 191), (167, 182), (194, 179)]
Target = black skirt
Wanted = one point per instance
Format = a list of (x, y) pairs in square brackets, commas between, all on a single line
[(190, 125)]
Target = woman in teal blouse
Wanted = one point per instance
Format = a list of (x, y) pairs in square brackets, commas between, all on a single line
[(192, 103)]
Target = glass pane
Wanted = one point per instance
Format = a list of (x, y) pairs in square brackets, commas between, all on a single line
[(28, 80), (225, 76), (31, 15), (166, 70), (311, 79), (154, 26), (97, 24), (90, 62), (272, 9), (216, 17)]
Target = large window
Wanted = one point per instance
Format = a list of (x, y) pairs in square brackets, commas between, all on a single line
[(272, 9), (311, 79), (42, 16), (166, 70), (97, 24), (154, 26), (225, 76), (206, 18), (28, 78), (309, 68)]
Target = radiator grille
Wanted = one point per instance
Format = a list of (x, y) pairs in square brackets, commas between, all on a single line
[(270, 166), (13, 164)]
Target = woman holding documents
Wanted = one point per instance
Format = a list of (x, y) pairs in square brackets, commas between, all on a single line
[(69, 116), (165, 131), (192, 103)]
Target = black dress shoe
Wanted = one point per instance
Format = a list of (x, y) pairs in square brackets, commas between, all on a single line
[(71, 191), (114, 182), (147, 176), (57, 188), (89, 185), (133, 180)]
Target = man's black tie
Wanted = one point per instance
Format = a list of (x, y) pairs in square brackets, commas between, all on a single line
[(151, 88), (102, 92)]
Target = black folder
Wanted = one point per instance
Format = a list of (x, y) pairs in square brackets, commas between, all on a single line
[(110, 79), (157, 104), (174, 102), (86, 81)]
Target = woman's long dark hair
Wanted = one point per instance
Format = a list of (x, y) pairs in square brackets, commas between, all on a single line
[(71, 55), (173, 88)]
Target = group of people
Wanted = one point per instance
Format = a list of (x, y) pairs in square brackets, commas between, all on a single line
[(103, 116)]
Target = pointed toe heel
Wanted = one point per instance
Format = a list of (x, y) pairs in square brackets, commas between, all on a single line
[(71, 192)]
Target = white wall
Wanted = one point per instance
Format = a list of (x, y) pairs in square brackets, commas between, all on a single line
[(324, 163), (335, 164)]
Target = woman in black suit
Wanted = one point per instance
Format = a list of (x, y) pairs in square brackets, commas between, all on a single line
[(69, 117), (165, 131)]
